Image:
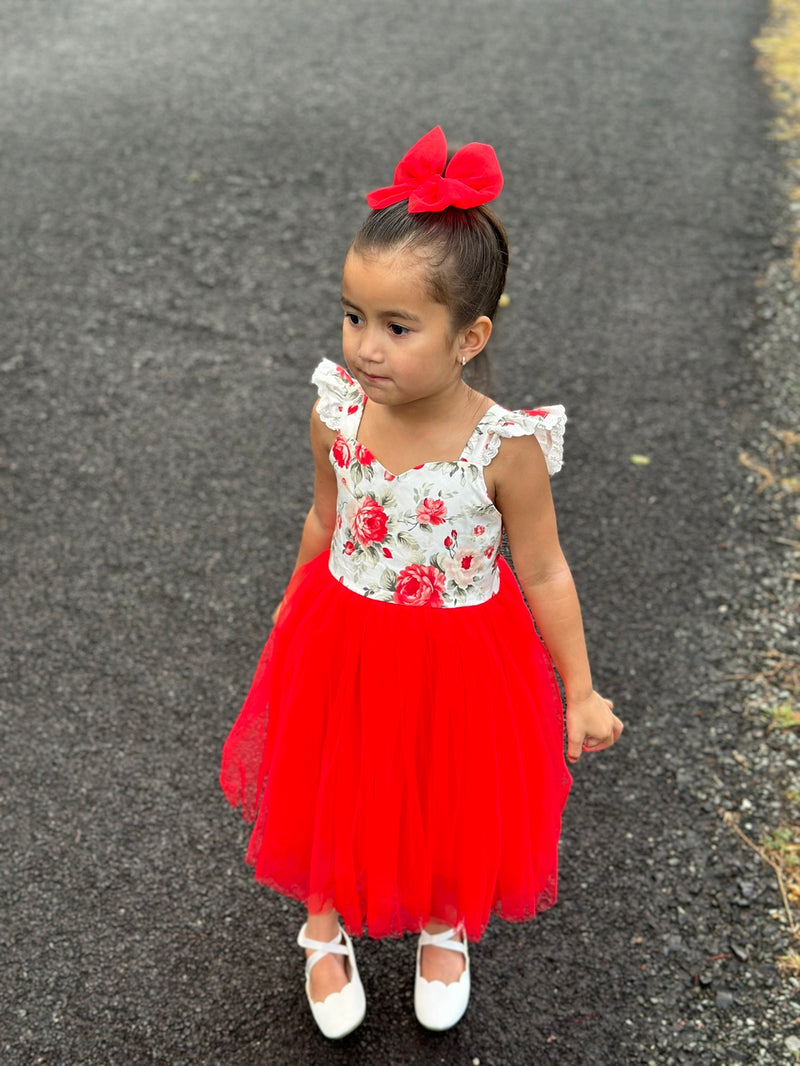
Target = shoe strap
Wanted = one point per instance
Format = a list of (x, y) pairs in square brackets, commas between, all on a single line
[(321, 948), (443, 940)]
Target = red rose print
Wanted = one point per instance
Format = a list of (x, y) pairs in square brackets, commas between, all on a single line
[(448, 542), (387, 553), (349, 548), (466, 562), (489, 553), (369, 522), (351, 410), (389, 477), (343, 374), (432, 512), (419, 586), (364, 455), (479, 531), (341, 452)]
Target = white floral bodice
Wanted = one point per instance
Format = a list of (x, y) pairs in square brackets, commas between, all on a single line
[(431, 535)]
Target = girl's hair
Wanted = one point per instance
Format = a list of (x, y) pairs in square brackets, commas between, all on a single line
[(466, 251)]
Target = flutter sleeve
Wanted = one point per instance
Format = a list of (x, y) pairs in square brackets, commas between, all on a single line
[(547, 424), (340, 396)]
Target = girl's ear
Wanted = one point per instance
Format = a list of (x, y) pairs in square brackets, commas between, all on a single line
[(474, 338)]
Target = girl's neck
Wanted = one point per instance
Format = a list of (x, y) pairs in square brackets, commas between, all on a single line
[(452, 403), (433, 430)]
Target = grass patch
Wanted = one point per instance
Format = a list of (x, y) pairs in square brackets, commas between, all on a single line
[(783, 716), (778, 50), (784, 845), (781, 849)]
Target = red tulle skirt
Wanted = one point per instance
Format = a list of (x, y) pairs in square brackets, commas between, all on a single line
[(402, 763)]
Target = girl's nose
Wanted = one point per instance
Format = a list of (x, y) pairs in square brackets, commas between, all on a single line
[(371, 348)]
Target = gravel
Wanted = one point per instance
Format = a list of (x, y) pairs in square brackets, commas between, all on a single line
[(732, 922)]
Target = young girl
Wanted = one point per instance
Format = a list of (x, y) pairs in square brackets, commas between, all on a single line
[(401, 747)]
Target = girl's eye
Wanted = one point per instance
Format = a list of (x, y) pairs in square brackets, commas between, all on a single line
[(352, 318), (398, 331)]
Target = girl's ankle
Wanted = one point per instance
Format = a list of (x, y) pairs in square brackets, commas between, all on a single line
[(323, 926)]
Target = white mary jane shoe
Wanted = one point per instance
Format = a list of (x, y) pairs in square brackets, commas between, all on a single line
[(437, 1005), (340, 1012)]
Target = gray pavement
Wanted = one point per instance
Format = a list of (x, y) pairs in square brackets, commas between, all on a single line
[(178, 182)]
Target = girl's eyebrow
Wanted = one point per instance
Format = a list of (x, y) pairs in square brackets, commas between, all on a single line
[(384, 314)]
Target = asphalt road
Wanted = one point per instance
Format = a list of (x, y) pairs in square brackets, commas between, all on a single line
[(179, 180)]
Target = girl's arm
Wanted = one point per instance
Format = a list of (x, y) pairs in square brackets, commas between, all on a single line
[(522, 495), (321, 518)]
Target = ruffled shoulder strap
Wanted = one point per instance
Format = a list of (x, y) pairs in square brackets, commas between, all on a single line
[(547, 424), (340, 398)]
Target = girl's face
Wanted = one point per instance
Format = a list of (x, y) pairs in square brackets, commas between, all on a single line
[(397, 342)]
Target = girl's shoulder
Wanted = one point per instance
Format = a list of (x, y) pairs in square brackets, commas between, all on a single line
[(340, 397), (546, 424)]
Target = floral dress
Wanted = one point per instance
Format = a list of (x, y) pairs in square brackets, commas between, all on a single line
[(401, 747)]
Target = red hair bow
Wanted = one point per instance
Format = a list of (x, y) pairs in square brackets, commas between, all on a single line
[(472, 177)]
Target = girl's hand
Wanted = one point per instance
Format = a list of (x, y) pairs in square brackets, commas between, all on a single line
[(591, 725)]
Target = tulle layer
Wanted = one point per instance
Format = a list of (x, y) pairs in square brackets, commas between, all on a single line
[(402, 763)]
